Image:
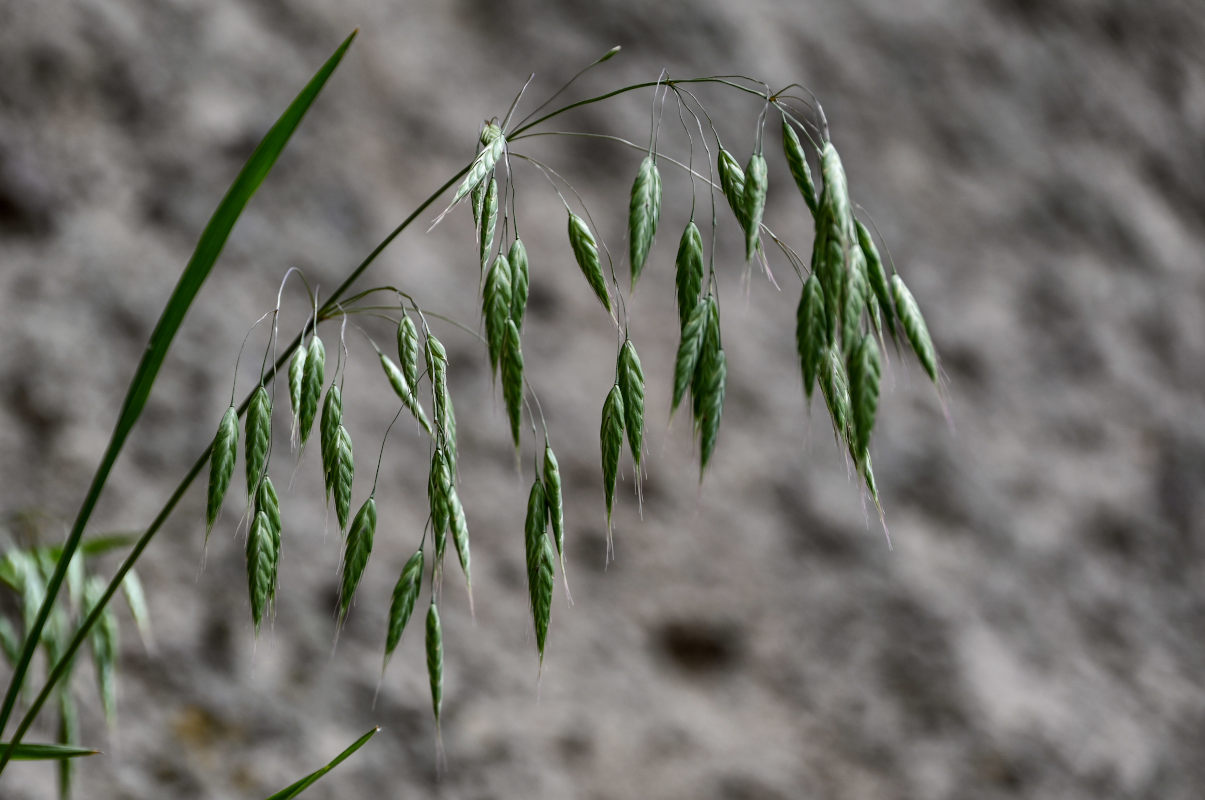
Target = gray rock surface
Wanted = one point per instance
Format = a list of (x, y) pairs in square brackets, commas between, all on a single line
[(1036, 632)]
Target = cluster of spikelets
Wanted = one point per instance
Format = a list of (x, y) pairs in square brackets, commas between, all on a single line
[(847, 310)]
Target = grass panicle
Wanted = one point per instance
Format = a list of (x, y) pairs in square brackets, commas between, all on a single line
[(585, 251), (221, 466), (356, 553), (644, 212)]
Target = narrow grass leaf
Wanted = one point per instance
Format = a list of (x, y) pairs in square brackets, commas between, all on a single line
[(688, 272), (68, 734), (435, 660), (294, 789), (631, 385), (798, 164), (585, 250), (405, 594), (644, 212), (520, 282), (257, 436), (46, 752), (757, 178), (914, 326), (221, 466), (496, 308), (864, 373), (611, 439), (512, 379), (355, 556)]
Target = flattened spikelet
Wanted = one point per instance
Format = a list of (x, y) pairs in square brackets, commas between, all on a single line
[(914, 326), (835, 388), (631, 385), (496, 307), (512, 379), (534, 526), (798, 164), (585, 250), (519, 283), (754, 201), (342, 473), (328, 428), (483, 165), (405, 593), (439, 489), (447, 423), (405, 391), (732, 182), (644, 212), (611, 439), (836, 191), (437, 365), (460, 538), (296, 378), (688, 276), (541, 593), (221, 465), (711, 394), (407, 350), (260, 561), (489, 221), (477, 198), (311, 386), (355, 556), (257, 436), (268, 503), (553, 499), (435, 660), (689, 349), (811, 331), (864, 373), (856, 293), (876, 276)]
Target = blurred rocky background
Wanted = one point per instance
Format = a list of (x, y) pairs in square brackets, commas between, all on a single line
[(1039, 629)]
